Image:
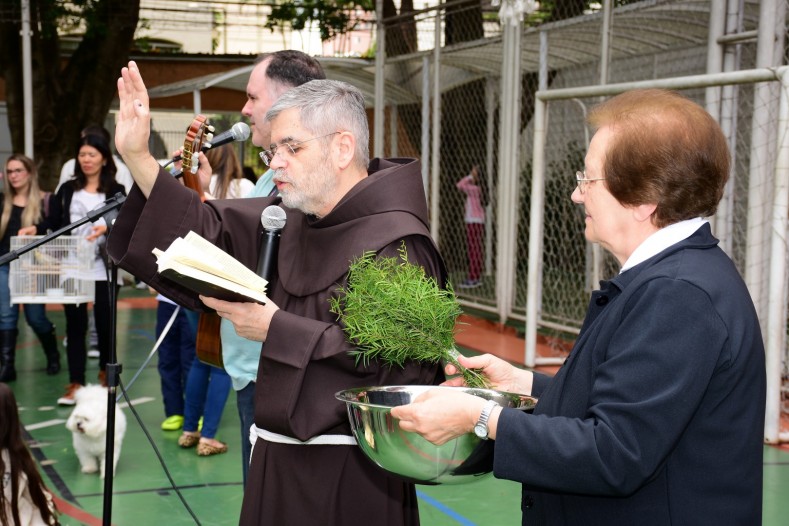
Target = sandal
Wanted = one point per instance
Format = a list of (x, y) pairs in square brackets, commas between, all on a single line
[(188, 439), (209, 446)]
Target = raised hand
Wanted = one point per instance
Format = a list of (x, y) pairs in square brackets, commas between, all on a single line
[(134, 120), (133, 128)]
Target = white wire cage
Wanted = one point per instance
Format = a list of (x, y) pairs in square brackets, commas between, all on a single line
[(59, 271)]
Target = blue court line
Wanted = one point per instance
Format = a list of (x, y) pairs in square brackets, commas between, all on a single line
[(445, 509)]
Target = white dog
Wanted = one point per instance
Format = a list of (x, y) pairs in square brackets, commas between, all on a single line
[(88, 426)]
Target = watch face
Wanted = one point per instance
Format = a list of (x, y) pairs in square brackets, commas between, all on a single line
[(481, 431)]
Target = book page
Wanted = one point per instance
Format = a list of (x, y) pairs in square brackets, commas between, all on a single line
[(197, 252), (210, 285)]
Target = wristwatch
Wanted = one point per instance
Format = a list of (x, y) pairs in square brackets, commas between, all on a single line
[(481, 427)]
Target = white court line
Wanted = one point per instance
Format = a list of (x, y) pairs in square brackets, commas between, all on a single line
[(136, 401), (45, 423)]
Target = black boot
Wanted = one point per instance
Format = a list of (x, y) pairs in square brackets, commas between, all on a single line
[(7, 354), (49, 343)]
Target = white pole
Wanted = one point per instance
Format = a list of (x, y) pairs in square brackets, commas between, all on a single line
[(197, 102), (535, 231), (27, 78), (393, 142), (435, 154), (757, 247), (491, 90), (426, 125), (380, 60), (508, 126), (776, 312)]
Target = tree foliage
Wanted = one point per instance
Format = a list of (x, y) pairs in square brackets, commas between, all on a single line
[(334, 17), (70, 91)]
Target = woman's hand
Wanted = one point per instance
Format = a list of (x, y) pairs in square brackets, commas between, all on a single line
[(27, 231), (502, 375), (440, 415), (96, 232)]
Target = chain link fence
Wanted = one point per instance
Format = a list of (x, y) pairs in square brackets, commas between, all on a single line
[(460, 52), (454, 59)]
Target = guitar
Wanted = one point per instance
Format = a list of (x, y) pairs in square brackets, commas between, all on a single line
[(208, 344)]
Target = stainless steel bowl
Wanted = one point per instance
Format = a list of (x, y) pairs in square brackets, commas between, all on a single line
[(408, 455)]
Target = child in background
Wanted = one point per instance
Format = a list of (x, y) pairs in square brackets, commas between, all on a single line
[(474, 216), (24, 500)]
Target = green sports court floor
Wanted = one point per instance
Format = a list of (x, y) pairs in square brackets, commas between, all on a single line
[(211, 486)]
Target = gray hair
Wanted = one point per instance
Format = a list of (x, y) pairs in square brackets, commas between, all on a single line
[(326, 106)]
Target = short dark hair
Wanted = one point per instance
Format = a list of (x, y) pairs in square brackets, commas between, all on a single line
[(291, 68), (665, 149)]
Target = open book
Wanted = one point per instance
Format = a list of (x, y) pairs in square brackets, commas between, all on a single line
[(200, 266)]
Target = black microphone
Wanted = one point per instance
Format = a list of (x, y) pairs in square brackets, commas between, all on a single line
[(273, 219), (239, 132)]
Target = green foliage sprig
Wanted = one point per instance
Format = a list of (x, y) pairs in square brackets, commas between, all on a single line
[(393, 312)]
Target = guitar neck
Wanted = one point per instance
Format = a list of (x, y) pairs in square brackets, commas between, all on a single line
[(199, 131)]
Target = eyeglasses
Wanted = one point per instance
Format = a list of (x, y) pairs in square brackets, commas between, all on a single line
[(582, 181), (290, 148), (16, 171)]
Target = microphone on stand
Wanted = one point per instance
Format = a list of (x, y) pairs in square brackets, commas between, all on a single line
[(239, 132), (273, 219)]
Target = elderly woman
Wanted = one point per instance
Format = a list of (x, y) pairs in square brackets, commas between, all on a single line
[(657, 415)]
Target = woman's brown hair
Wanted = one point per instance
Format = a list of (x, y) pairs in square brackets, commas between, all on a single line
[(225, 164), (21, 463), (666, 150)]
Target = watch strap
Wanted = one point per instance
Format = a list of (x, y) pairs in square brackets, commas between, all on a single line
[(484, 416)]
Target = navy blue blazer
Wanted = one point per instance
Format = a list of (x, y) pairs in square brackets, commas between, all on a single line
[(657, 415)]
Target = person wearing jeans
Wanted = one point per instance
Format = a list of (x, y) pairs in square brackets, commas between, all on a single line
[(207, 389), (176, 354), (23, 209)]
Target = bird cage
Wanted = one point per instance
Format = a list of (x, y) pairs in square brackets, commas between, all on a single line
[(60, 271)]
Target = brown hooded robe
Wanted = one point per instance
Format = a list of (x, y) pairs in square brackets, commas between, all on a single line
[(305, 359)]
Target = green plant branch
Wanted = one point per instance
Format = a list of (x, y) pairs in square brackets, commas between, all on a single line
[(393, 312)]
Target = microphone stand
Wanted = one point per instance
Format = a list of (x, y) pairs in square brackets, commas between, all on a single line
[(113, 369)]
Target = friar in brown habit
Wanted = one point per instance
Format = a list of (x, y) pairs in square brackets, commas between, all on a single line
[(305, 467)]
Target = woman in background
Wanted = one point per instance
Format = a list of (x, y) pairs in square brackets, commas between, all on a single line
[(208, 387), (228, 181), (93, 182), (22, 213), (24, 500)]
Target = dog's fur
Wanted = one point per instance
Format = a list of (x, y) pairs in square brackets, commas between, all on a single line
[(88, 426)]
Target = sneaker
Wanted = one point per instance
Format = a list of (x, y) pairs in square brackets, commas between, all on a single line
[(94, 353), (68, 398), (470, 284), (173, 423)]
